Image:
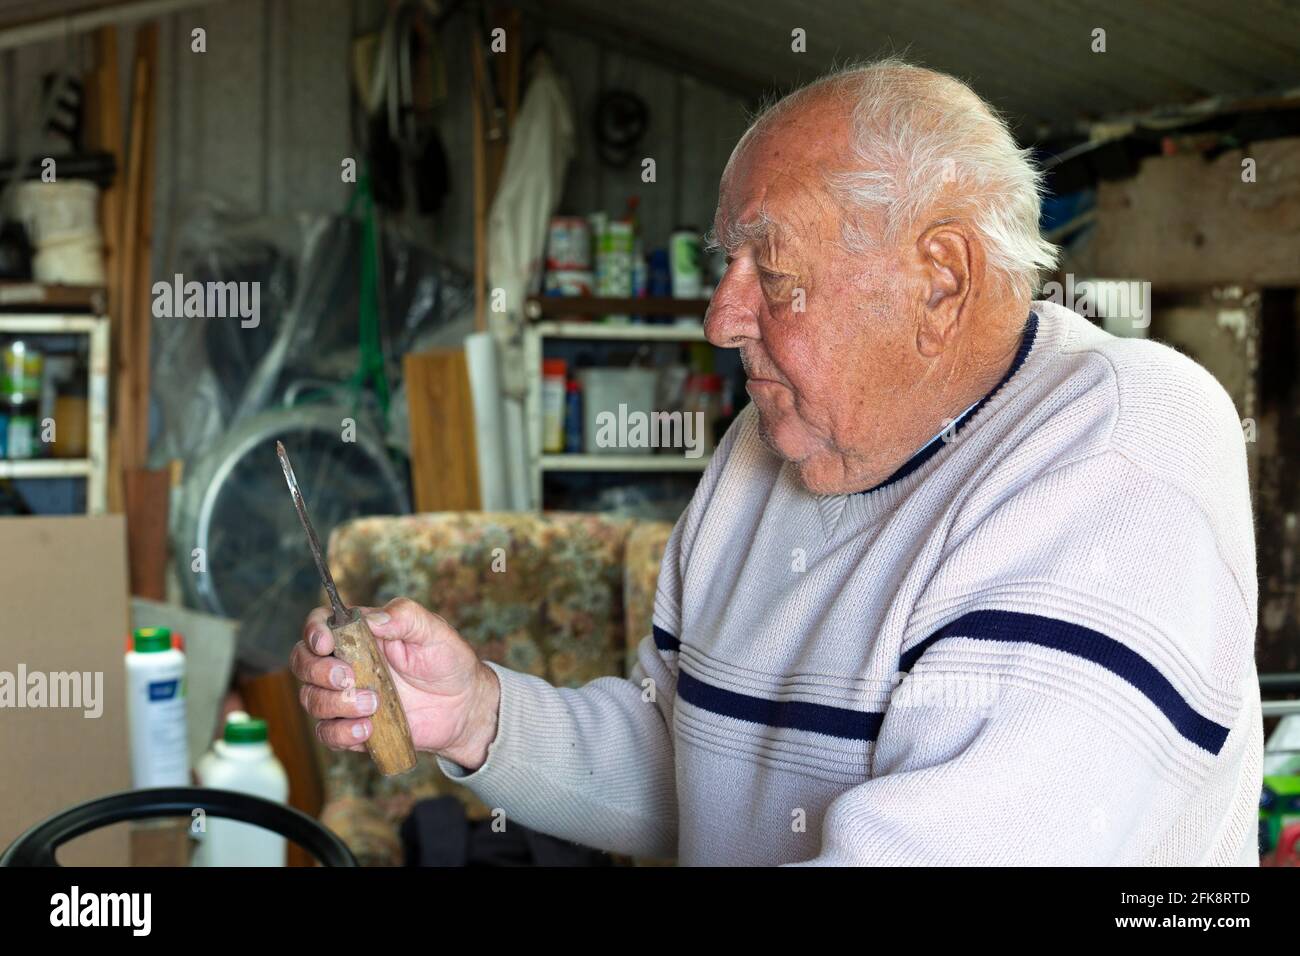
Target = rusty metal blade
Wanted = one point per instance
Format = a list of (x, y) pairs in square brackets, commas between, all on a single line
[(340, 612)]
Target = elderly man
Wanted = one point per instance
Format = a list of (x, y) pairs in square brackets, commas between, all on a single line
[(969, 582)]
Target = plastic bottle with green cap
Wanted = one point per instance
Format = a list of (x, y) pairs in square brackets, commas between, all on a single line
[(155, 709), (242, 760)]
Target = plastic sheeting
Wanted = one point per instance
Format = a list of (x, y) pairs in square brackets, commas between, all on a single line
[(225, 389), (210, 374)]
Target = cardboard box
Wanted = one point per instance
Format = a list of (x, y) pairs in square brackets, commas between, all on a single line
[(63, 625)]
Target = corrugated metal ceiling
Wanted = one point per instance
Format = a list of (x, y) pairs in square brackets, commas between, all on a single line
[(1031, 58)]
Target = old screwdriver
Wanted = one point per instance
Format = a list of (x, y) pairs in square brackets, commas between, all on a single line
[(390, 744)]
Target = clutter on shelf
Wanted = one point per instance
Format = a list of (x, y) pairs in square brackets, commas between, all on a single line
[(606, 257)]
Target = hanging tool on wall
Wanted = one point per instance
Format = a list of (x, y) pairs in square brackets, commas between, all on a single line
[(400, 81)]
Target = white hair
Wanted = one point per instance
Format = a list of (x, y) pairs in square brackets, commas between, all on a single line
[(927, 149)]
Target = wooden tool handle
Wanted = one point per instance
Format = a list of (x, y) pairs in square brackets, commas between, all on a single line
[(390, 743)]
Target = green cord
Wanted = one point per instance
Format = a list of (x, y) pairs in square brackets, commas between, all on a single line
[(370, 367)]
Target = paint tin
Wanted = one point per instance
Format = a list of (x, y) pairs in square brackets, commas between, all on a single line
[(569, 282), (17, 429), (568, 244), (20, 371)]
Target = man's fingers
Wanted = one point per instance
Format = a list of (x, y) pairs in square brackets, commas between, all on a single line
[(316, 633), (401, 619), (320, 671), (343, 734), (324, 704)]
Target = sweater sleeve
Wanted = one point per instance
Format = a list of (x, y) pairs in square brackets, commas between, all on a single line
[(591, 765), (1070, 676), (595, 765)]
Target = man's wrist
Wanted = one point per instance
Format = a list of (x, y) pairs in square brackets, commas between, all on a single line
[(480, 730)]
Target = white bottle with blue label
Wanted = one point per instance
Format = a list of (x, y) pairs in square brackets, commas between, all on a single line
[(155, 709)]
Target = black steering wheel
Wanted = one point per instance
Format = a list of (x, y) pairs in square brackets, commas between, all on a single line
[(36, 847)]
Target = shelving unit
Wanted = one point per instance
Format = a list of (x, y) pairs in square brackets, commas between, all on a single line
[(94, 467), (536, 334), (575, 462)]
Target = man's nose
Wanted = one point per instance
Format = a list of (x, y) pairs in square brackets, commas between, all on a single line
[(732, 317)]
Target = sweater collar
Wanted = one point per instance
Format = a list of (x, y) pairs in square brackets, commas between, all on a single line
[(937, 442)]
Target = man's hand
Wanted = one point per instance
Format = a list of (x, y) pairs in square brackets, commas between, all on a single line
[(449, 695)]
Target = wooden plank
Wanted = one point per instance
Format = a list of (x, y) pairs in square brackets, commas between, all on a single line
[(148, 494), (32, 296), (104, 132), (124, 412), (444, 454), (161, 842), (1182, 221), (142, 317)]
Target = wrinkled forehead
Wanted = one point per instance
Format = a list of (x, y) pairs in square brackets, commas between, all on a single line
[(776, 182)]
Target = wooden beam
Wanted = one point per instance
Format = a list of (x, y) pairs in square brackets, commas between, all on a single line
[(131, 419), (1182, 221)]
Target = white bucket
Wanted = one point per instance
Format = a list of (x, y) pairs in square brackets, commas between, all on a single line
[(604, 390), (74, 262), (58, 212)]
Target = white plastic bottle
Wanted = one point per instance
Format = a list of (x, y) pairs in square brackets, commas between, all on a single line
[(242, 761), (155, 708)]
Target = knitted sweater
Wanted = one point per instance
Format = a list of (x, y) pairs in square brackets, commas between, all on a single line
[(1033, 644)]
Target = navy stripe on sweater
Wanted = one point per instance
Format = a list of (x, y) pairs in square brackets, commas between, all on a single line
[(795, 714), (663, 640), (1123, 661)]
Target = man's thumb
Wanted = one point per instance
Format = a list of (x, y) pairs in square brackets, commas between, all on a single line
[(401, 619)]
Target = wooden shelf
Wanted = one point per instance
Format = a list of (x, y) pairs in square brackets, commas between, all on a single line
[(605, 331), (543, 306), (46, 468), (39, 323), (575, 462), (67, 298)]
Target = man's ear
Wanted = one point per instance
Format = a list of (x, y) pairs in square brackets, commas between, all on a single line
[(947, 260)]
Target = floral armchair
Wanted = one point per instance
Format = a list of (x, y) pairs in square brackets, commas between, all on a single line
[(565, 596)]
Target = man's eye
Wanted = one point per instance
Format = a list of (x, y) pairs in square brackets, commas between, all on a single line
[(769, 276)]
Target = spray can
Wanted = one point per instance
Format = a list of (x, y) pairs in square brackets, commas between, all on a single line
[(573, 417), (244, 762), (155, 709)]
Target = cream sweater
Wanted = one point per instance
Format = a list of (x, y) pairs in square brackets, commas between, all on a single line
[(1032, 645)]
